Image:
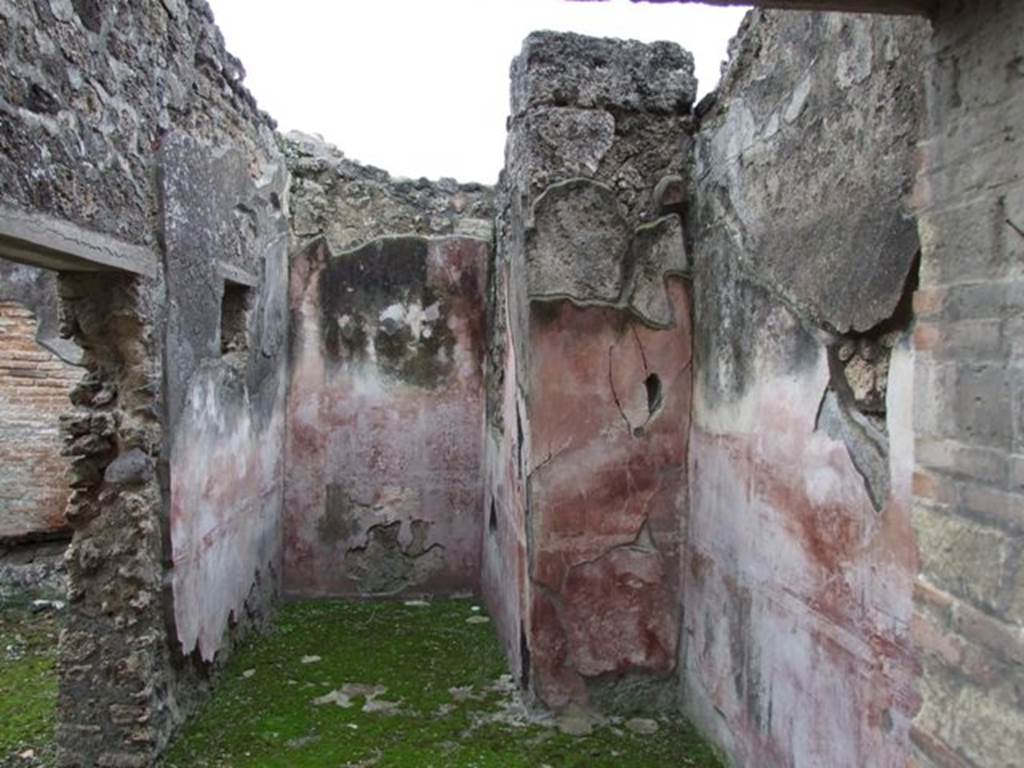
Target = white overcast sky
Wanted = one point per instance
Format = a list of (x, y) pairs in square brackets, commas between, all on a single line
[(420, 87)]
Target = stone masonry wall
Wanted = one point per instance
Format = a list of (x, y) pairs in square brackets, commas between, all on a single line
[(969, 421), (92, 93), (349, 204), (799, 558), (589, 389)]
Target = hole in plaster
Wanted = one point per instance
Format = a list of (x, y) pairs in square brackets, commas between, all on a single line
[(492, 520), (853, 407), (234, 318), (654, 396)]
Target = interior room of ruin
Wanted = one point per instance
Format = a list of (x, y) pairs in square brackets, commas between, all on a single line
[(713, 405)]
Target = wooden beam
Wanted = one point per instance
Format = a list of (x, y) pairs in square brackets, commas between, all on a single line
[(42, 241)]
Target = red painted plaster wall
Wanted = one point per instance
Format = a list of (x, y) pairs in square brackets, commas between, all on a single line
[(609, 416), (384, 488), (797, 592)]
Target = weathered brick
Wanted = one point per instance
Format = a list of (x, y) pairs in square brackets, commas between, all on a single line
[(990, 726), (935, 393), (928, 302), (961, 556), (936, 751), (940, 691), (936, 640), (962, 339), (987, 299), (1016, 473), (1003, 639), (935, 487), (34, 386), (126, 714), (1016, 611), (959, 243), (960, 460), (980, 408), (994, 506)]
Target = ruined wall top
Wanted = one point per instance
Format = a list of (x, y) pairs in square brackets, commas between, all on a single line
[(349, 203), (558, 69)]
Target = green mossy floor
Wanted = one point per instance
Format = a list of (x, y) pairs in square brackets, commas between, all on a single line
[(445, 703), (28, 685), (446, 700)]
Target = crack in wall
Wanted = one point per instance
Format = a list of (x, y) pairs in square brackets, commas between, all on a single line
[(383, 567), (615, 395)]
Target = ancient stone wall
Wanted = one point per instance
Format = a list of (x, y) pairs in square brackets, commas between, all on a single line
[(590, 362), (168, 552), (385, 417), (34, 386), (348, 204), (225, 238), (800, 558), (969, 421)]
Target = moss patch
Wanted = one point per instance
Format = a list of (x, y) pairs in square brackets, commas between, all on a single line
[(390, 684), (28, 686)]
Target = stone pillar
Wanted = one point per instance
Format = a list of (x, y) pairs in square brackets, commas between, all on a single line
[(114, 669), (589, 415)]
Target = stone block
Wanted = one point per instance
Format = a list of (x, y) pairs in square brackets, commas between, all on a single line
[(959, 460), (998, 638), (1016, 611), (990, 726), (935, 391), (566, 69), (940, 691), (985, 299), (961, 556), (935, 487), (1016, 473), (994, 506), (983, 392), (578, 244), (962, 340), (960, 243)]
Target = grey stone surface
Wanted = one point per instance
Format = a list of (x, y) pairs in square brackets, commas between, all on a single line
[(350, 204), (867, 444), (31, 571), (558, 69), (577, 244), (568, 141), (657, 250), (836, 246), (50, 243), (921, 7), (133, 466), (218, 221), (90, 92)]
